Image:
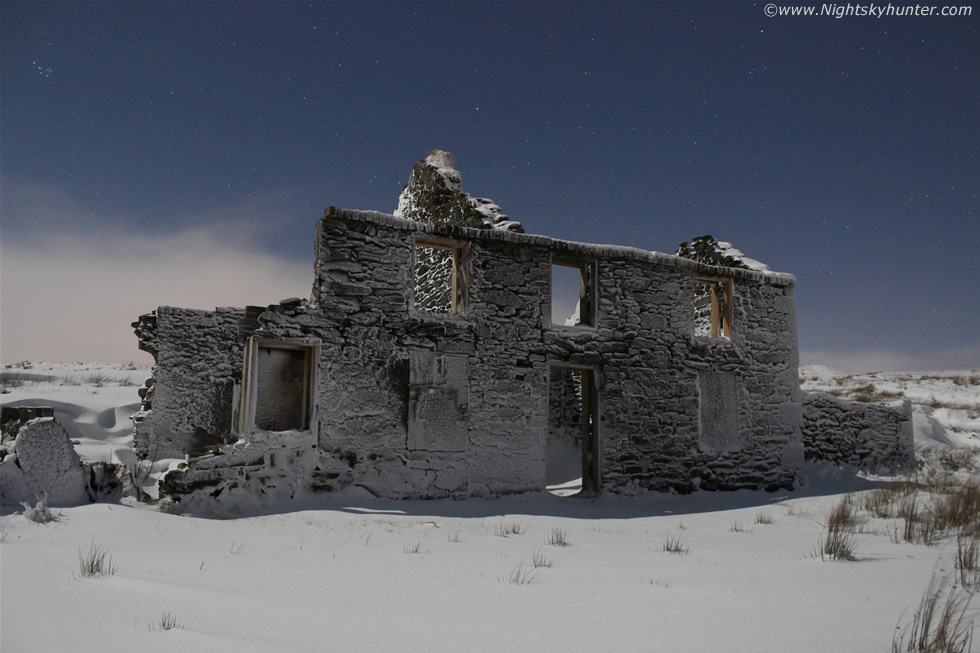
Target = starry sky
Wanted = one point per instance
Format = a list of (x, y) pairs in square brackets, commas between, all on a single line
[(180, 153)]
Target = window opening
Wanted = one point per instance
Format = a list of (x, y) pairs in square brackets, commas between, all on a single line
[(438, 278), (572, 293), (713, 307), (571, 455), (279, 386)]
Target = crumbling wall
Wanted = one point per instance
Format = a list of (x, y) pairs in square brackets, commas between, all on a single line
[(420, 409), (654, 372), (41, 462), (425, 403), (871, 437), (191, 401)]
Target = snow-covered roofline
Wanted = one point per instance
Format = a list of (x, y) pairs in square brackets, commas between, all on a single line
[(563, 246)]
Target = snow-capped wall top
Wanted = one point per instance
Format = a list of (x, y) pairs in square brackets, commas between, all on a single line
[(705, 249), (434, 194), (443, 161)]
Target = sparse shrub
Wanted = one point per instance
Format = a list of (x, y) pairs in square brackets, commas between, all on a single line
[(869, 394), (167, 621), (100, 378), (880, 502), (236, 548), (939, 463), (39, 513), (842, 516), (958, 509), (839, 541), (674, 544), (523, 574), (914, 528), (454, 537), (794, 510), (539, 559), (938, 625), (16, 378), (967, 558), (557, 537), (863, 393), (414, 549), (95, 563), (763, 517), (837, 544), (938, 403), (966, 380), (513, 528), (735, 528)]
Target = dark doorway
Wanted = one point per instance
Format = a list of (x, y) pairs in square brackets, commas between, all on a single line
[(571, 456), (282, 391)]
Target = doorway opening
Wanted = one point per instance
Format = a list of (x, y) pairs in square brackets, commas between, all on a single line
[(572, 451)]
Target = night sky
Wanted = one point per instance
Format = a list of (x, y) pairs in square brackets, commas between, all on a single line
[(181, 152)]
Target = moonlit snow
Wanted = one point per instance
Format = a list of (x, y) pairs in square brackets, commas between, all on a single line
[(349, 572)]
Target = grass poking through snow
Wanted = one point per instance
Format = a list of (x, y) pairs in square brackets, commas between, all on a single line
[(523, 574), (557, 537), (539, 559), (95, 563), (939, 625), (674, 544), (168, 621)]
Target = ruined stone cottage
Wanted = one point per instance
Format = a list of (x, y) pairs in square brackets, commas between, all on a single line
[(430, 361)]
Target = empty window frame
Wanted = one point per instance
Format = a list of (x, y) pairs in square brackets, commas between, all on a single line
[(439, 283), (573, 292), (713, 307), (279, 385)]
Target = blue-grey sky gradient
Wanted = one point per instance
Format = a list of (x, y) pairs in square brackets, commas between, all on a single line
[(153, 143)]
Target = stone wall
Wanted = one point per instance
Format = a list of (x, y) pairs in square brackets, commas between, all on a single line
[(871, 437), (650, 366), (191, 400), (416, 403), (40, 462)]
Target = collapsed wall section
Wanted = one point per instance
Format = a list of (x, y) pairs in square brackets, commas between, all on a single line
[(189, 405), (871, 437)]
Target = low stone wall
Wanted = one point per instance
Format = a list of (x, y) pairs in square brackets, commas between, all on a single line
[(870, 437)]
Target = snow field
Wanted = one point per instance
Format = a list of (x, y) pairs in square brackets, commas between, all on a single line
[(351, 581), (355, 573)]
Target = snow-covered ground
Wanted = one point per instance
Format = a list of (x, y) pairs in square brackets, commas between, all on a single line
[(355, 573)]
